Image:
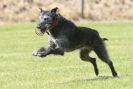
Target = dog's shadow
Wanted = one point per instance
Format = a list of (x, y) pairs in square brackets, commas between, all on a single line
[(101, 78)]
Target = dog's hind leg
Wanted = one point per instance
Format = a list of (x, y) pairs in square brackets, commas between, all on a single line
[(84, 55), (102, 53)]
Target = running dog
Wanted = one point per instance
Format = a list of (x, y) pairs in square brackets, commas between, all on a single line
[(65, 36)]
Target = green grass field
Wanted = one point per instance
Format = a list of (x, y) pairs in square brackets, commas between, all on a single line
[(20, 70)]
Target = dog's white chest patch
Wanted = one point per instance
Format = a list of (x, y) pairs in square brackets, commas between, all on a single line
[(54, 40)]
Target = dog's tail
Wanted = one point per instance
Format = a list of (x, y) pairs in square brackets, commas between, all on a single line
[(105, 39)]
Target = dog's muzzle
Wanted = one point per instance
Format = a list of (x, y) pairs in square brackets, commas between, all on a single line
[(40, 31), (38, 26)]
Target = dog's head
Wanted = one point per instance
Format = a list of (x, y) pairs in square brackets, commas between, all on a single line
[(47, 19)]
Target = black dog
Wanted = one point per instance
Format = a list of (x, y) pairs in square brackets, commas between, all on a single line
[(65, 36)]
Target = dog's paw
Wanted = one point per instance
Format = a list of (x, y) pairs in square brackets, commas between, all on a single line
[(39, 54), (35, 53)]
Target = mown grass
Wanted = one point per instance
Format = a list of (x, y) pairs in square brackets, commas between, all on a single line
[(20, 70)]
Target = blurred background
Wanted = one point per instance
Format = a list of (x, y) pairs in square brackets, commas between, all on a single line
[(92, 10)]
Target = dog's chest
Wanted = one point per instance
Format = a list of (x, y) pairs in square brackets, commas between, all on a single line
[(54, 40)]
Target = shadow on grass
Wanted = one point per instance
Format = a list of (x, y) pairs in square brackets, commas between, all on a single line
[(101, 78)]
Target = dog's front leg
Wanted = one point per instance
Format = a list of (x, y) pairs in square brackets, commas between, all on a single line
[(58, 51), (42, 52)]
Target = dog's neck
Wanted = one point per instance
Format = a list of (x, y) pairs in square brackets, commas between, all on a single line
[(50, 30), (56, 27), (54, 23)]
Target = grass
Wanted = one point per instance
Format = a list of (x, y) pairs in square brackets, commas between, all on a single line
[(20, 70)]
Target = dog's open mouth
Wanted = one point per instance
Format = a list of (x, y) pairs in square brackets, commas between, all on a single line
[(40, 32)]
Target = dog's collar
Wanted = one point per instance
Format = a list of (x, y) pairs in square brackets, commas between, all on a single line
[(54, 23)]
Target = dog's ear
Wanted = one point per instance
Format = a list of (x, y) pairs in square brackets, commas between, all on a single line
[(54, 10), (41, 10)]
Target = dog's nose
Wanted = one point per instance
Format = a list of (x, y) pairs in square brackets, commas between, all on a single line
[(38, 26)]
